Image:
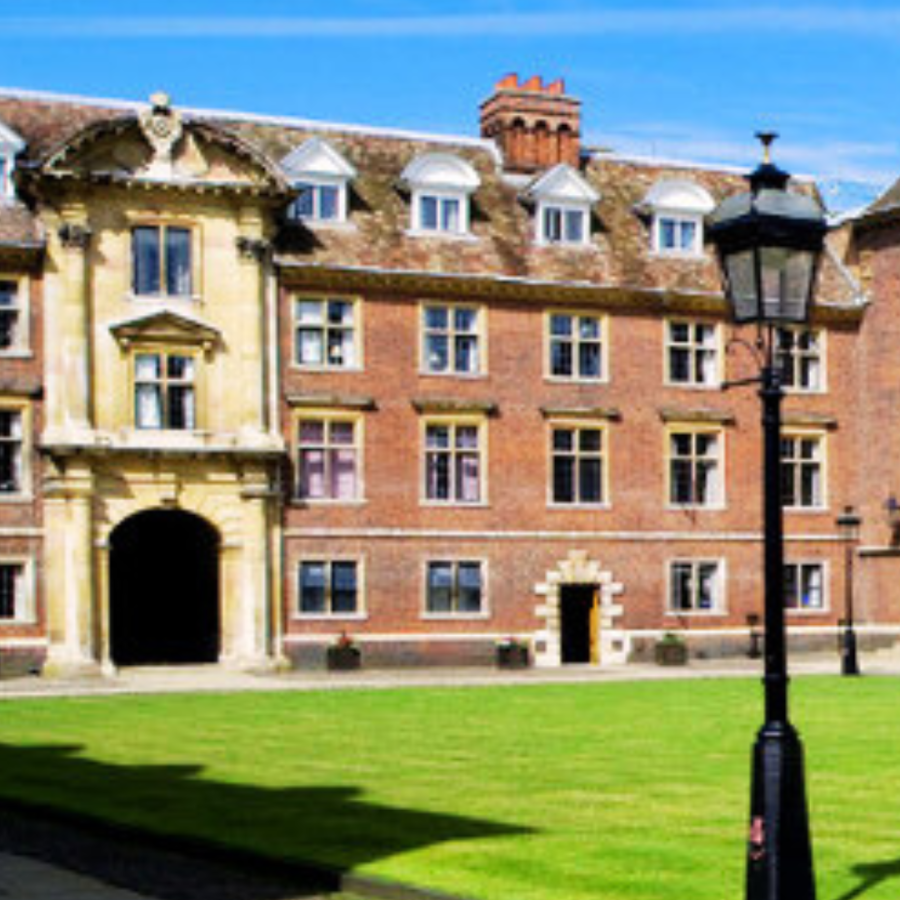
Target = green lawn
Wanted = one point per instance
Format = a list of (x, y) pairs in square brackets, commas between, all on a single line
[(553, 792)]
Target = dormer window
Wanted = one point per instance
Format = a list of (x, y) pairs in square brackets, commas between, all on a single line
[(318, 202), (677, 208), (10, 145), (563, 225), (322, 177), (563, 201), (441, 186)]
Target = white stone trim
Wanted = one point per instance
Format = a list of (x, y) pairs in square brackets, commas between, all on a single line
[(578, 568), (410, 637), (734, 537)]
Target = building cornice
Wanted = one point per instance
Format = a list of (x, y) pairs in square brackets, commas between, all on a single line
[(406, 282)]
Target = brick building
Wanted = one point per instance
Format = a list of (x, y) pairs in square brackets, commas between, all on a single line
[(266, 381)]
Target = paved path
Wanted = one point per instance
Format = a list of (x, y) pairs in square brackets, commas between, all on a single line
[(50, 859), (213, 678), (22, 878)]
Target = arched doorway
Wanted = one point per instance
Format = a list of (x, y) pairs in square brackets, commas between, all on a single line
[(164, 589)]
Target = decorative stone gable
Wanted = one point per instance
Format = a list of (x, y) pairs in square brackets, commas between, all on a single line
[(161, 126), (578, 569)]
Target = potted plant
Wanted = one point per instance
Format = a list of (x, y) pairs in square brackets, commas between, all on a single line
[(513, 654), (671, 650), (343, 655)]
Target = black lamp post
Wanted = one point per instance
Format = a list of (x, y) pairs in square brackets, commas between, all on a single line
[(848, 523), (769, 243)]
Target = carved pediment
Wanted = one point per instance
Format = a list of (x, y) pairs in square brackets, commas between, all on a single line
[(165, 327), (160, 147)]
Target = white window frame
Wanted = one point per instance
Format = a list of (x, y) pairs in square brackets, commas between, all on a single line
[(564, 209), (576, 340), (440, 198), (328, 418), (24, 487), (326, 328), (315, 187), (578, 426), (164, 384), (679, 220), (694, 348), (799, 565), (11, 144), (795, 356), (796, 464), (7, 191), (26, 607), (453, 424), (455, 562), (329, 561), (719, 607), (21, 345), (452, 334), (718, 502)]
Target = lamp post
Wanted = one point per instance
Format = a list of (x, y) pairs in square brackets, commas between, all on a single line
[(848, 523), (769, 242)]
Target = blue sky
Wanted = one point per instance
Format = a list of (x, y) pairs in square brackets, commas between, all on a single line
[(683, 80)]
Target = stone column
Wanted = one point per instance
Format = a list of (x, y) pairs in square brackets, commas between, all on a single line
[(253, 255), (71, 595), (68, 348), (253, 643)]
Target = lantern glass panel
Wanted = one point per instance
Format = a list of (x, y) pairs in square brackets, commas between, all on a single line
[(740, 270), (786, 279)]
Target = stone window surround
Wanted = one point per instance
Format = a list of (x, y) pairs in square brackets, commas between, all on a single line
[(454, 421), (483, 613), (603, 340), (361, 613), (329, 415), (720, 607), (692, 347), (21, 348), (26, 605)]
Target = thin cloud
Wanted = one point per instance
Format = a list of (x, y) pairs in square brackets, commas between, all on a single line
[(869, 162), (691, 21)]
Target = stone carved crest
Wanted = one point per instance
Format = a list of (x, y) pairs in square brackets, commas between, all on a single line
[(162, 127)]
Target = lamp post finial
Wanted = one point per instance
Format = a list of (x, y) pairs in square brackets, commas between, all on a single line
[(767, 138)]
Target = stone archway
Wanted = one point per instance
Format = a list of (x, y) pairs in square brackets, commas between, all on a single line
[(164, 589), (577, 570)]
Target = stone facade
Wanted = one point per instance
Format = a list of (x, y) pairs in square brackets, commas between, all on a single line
[(97, 473)]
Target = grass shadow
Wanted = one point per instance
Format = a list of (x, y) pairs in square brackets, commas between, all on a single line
[(871, 875), (333, 828)]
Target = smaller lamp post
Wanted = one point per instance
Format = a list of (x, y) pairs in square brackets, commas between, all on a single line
[(769, 242), (848, 523)]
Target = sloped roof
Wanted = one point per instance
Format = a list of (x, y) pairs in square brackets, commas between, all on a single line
[(502, 247), (18, 227)]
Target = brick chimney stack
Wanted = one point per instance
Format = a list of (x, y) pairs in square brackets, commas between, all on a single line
[(535, 125)]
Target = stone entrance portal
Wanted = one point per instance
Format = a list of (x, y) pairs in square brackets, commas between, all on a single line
[(164, 589), (580, 614)]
